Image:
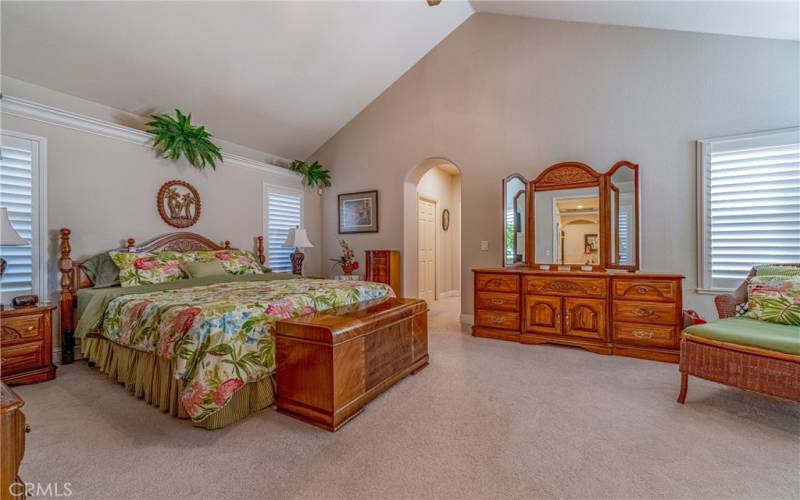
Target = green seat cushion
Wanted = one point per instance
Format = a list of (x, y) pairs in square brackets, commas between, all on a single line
[(751, 333)]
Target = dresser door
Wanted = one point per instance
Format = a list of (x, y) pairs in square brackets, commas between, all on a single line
[(585, 318), (543, 314)]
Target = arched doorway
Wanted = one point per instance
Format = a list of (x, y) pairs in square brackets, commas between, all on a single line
[(431, 253)]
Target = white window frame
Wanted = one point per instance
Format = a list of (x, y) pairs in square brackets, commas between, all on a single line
[(275, 188), (39, 253), (704, 147)]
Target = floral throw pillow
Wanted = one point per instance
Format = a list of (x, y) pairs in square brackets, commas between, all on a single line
[(233, 261), (775, 299), (145, 268)]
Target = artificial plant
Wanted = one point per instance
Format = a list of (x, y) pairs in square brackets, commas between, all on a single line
[(313, 174), (176, 137)]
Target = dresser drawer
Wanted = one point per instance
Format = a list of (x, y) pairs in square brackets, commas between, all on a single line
[(573, 287), (497, 282), (498, 319), (21, 357), (498, 301), (655, 290), (645, 312), (645, 335), (20, 329)]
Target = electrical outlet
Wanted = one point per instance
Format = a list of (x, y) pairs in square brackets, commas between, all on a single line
[(484, 246)]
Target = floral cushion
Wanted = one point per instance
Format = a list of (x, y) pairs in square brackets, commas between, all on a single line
[(145, 268), (775, 299), (233, 261), (777, 270)]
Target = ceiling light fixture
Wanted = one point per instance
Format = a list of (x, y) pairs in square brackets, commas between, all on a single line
[(434, 3)]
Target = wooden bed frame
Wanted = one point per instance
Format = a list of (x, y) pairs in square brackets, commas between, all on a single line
[(74, 277)]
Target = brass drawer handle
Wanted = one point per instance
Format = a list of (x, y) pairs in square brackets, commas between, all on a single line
[(498, 302), (642, 290), (30, 328), (643, 334), (497, 320), (643, 313), (494, 282)]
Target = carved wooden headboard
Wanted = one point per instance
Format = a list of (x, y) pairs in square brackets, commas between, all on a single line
[(74, 277)]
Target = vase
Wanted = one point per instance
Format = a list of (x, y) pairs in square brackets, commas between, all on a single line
[(347, 269)]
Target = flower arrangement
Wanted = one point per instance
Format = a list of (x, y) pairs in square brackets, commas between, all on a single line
[(347, 261)]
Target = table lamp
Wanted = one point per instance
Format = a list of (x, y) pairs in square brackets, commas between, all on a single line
[(9, 237), (297, 238)]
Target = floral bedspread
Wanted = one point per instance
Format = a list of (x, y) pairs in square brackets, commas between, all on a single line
[(221, 335)]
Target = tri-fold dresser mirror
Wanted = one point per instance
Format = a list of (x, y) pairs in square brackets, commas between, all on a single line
[(571, 215)]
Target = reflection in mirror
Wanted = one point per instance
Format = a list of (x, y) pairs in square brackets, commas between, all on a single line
[(622, 202), (514, 220), (567, 226)]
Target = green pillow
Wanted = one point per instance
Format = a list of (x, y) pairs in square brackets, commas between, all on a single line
[(102, 270), (203, 269), (777, 270)]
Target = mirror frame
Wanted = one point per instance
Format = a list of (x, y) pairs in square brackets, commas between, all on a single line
[(528, 241), (569, 175), (607, 215)]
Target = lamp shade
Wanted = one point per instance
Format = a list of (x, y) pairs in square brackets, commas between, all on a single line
[(8, 235), (297, 238)]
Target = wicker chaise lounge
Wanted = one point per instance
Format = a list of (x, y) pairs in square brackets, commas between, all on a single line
[(746, 353)]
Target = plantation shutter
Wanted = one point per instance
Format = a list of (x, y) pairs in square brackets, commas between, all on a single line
[(19, 195), (284, 211), (752, 204), (623, 222)]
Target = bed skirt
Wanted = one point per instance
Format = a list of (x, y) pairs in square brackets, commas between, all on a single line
[(149, 377)]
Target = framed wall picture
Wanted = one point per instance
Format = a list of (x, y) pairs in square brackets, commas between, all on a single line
[(358, 212)]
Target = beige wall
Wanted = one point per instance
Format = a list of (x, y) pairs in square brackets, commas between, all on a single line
[(444, 188), (104, 190), (508, 94)]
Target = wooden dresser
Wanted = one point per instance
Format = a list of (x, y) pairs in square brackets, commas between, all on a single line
[(631, 314), (12, 435), (383, 266), (27, 344)]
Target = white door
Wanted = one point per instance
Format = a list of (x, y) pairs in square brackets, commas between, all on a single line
[(426, 238)]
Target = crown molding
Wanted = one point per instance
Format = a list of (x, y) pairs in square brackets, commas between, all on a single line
[(31, 110)]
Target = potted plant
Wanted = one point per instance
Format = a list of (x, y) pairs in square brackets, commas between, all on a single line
[(314, 176), (176, 137), (347, 261)]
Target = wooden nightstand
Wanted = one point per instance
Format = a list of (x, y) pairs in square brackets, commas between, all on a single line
[(26, 343)]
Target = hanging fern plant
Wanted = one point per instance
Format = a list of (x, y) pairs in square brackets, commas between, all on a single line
[(176, 137), (313, 174)]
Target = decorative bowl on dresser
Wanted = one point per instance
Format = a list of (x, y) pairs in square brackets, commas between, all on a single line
[(12, 434), (27, 344)]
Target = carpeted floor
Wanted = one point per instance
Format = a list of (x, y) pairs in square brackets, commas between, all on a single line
[(486, 419)]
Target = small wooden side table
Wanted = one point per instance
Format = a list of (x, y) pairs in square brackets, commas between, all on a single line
[(26, 340)]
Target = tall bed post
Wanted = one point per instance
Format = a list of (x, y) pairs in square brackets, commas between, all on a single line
[(67, 299), (260, 249)]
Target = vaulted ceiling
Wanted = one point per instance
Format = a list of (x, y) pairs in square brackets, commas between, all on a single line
[(283, 77)]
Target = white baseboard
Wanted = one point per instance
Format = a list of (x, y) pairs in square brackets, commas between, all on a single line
[(450, 293), (468, 319)]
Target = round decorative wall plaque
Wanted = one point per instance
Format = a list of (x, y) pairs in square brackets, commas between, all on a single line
[(446, 219), (178, 204)]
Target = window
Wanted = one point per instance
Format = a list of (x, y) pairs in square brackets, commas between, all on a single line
[(22, 188), (283, 211), (748, 204)]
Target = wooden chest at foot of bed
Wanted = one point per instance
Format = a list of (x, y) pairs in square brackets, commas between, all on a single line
[(330, 364)]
